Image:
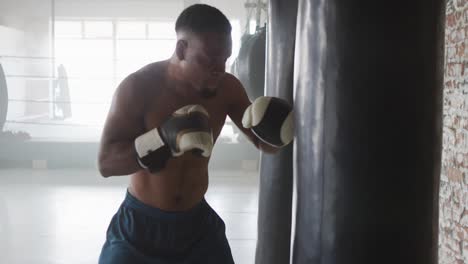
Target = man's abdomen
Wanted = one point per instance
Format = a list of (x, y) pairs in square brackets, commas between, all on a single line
[(180, 186)]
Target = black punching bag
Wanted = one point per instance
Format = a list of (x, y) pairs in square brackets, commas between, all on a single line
[(276, 173), (368, 102), (249, 66), (3, 99)]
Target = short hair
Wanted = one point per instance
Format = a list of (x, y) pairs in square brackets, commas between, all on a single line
[(201, 18)]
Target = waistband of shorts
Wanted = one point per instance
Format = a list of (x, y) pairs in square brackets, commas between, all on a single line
[(132, 202)]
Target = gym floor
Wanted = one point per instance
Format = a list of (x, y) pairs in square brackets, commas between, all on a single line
[(61, 216)]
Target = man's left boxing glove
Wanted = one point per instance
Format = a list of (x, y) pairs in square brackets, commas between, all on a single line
[(271, 120), (187, 129)]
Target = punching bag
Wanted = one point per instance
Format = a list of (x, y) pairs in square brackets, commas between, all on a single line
[(249, 66), (3, 99), (276, 172), (368, 102)]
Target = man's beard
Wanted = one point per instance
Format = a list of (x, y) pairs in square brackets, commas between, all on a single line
[(208, 93)]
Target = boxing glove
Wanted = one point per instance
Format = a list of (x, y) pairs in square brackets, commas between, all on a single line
[(271, 120), (187, 129)]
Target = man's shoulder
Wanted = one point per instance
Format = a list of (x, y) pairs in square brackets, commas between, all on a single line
[(233, 85), (231, 77), (140, 84), (145, 78), (151, 72)]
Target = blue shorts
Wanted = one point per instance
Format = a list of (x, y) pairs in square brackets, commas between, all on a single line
[(141, 234)]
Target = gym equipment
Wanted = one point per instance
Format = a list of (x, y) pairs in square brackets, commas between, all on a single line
[(276, 173), (368, 98)]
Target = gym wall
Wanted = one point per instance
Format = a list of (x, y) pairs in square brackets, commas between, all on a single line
[(453, 220)]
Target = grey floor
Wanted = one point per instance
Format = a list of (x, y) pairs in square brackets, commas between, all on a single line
[(60, 216)]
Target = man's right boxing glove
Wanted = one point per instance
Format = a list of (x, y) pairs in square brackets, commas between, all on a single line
[(187, 129), (271, 120)]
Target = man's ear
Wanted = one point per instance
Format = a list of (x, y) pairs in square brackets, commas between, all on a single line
[(181, 48)]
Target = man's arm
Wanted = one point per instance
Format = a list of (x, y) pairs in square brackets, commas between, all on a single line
[(239, 101), (125, 121)]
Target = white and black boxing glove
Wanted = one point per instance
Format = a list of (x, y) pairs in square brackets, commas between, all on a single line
[(271, 120), (187, 129)]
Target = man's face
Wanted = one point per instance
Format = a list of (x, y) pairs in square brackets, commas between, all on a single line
[(206, 57)]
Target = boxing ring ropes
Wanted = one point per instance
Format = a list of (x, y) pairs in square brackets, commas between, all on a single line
[(57, 98), (20, 148)]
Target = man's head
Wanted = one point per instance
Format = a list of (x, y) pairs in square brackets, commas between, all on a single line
[(203, 46)]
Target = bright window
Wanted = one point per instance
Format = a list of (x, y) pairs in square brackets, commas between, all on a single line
[(98, 29), (131, 30), (98, 54), (161, 30), (68, 29)]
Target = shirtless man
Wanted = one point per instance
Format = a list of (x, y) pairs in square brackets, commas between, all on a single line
[(160, 130)]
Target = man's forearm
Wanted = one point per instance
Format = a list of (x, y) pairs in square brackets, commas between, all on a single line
[(118, 159)]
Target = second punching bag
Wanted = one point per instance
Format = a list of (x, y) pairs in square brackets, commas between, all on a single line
[(276, 174), (249, 65)]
